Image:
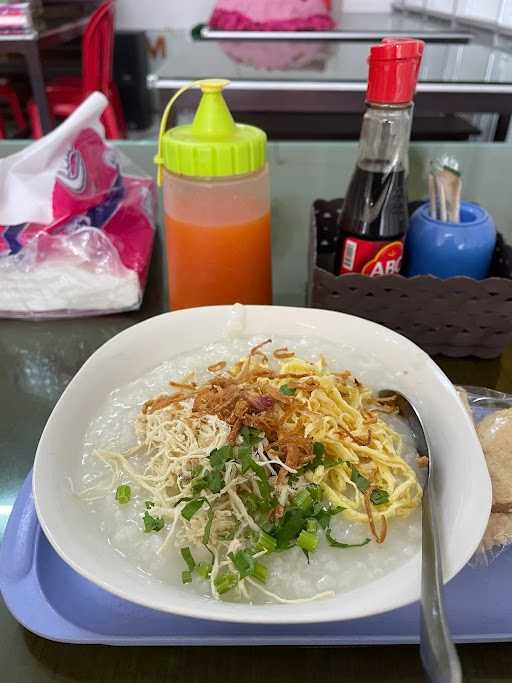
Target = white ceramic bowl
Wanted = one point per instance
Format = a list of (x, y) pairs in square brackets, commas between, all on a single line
[(463, 483)]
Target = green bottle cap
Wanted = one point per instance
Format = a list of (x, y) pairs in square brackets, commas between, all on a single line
[(213, 145)]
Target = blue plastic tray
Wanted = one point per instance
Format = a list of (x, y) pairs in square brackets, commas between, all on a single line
[(50, 599)]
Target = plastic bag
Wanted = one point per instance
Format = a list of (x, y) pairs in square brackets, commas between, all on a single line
[(492, 414), (76, 224)]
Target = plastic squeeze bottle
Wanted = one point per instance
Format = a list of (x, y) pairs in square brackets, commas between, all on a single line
[(217, 206)]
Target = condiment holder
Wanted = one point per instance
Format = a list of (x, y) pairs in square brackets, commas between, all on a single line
[(445, 249), (453, 316)]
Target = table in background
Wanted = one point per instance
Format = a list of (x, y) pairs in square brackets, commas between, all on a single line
[(364, 26), (59, 23), (330, 75), (38, 359)]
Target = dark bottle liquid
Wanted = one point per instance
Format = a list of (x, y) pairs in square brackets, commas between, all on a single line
[(376, 204), (373, 221)]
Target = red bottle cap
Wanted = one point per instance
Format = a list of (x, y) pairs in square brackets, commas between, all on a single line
[(393, 70)]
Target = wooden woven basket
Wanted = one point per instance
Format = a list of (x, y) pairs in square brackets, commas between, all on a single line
[(455, 316)]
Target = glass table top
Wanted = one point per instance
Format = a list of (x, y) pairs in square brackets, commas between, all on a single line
[(178, 57), (359, 24)]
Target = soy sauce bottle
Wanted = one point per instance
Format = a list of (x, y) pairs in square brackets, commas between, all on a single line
[(374, 217)]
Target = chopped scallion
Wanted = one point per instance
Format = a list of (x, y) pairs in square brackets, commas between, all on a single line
[(303, 500), (152, 523), (191, 508), (187, 556), (186, 577), (315, 492), (312, 526), (307, 541), (260, 572), (243, 562), (123, 494), (266, 542), (203, 569), (225, 582), (208, 527), (337, 544), (323, 514), (323, 518)]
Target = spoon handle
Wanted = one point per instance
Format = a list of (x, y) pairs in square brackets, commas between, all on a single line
[(438, 653)]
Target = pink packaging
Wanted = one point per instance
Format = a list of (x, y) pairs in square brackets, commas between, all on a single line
[(93, 255), (269, 15)]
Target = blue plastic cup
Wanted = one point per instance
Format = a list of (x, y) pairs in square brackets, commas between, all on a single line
[(434, 247)]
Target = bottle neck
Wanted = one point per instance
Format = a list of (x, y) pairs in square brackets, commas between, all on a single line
[(384, 141)]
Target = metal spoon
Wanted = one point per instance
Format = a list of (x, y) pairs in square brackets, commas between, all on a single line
[(438, 654)]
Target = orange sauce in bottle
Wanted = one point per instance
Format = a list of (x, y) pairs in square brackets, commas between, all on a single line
[(220, 264), (218, 240)]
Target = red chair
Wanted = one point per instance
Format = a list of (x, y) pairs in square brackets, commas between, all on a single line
[(8, 93), (67, 93)]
